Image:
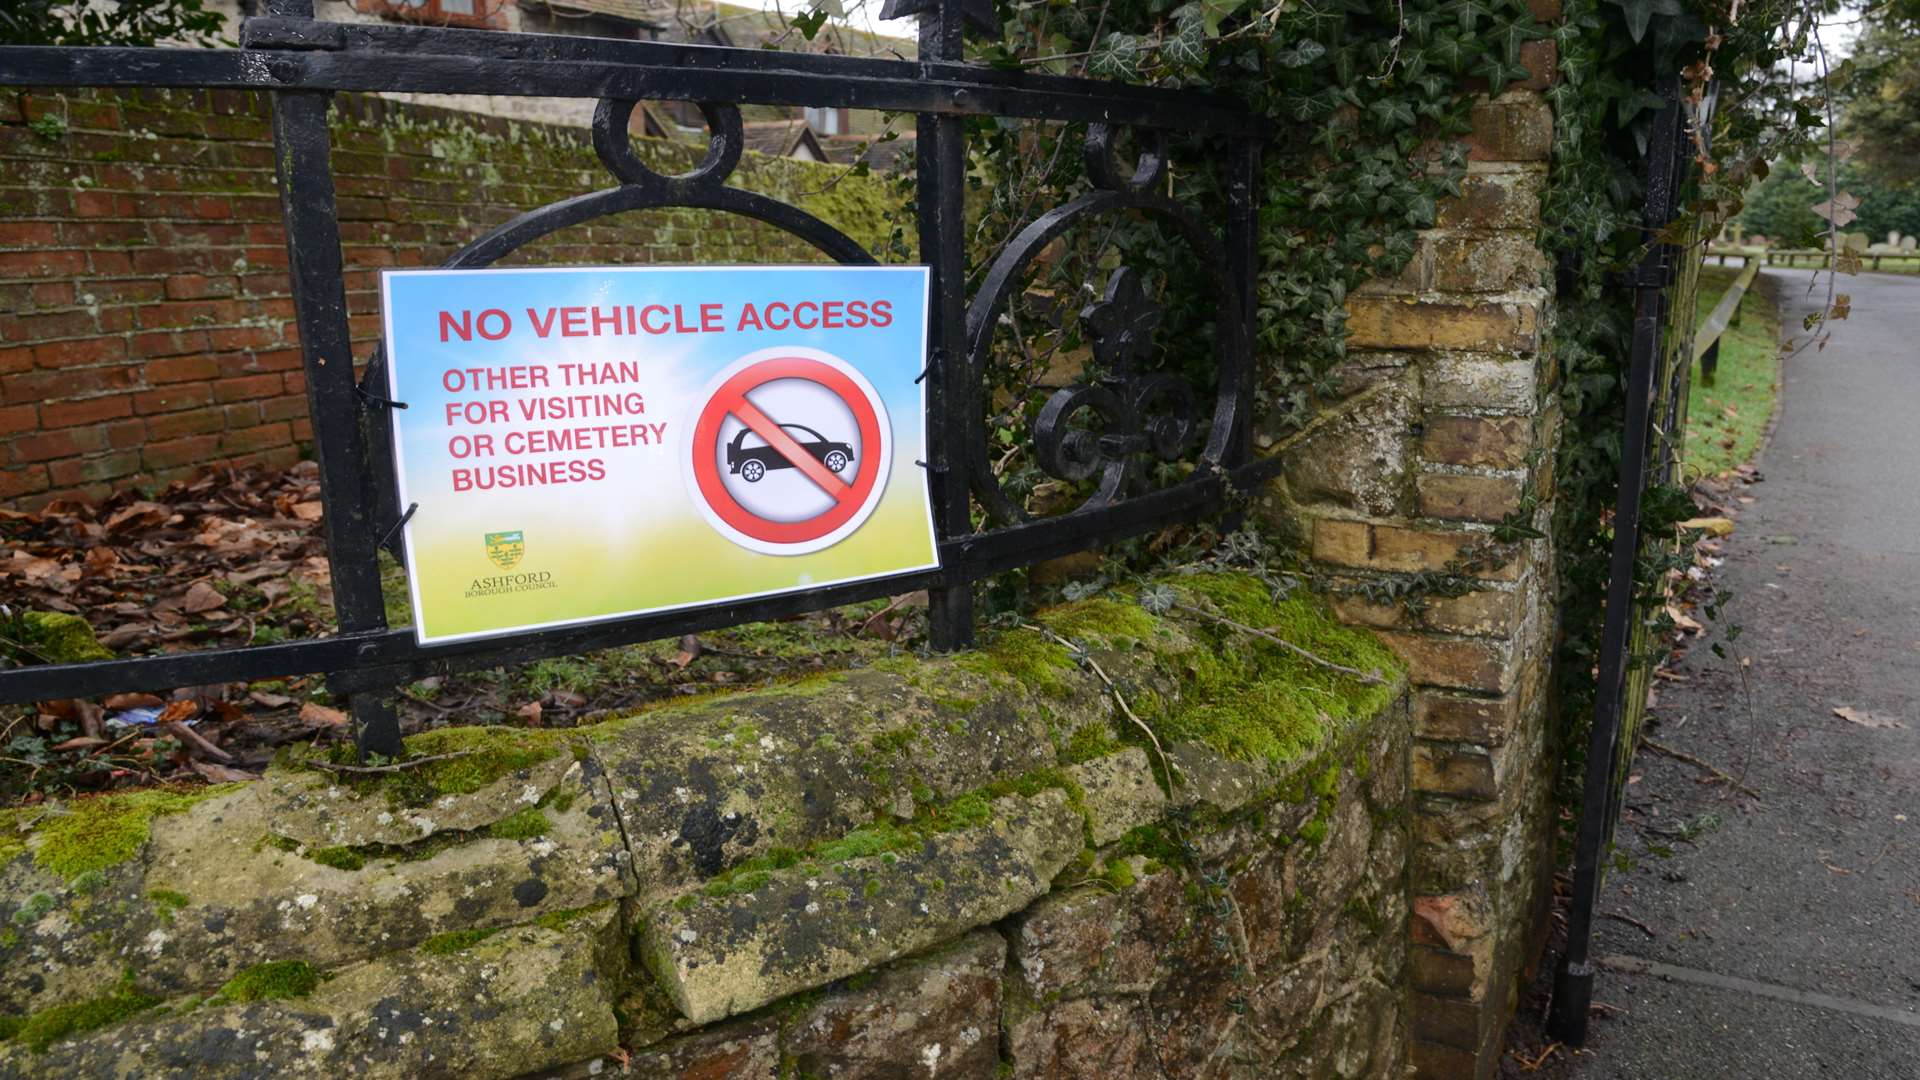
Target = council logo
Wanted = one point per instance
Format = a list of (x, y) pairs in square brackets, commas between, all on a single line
[(506, 548)]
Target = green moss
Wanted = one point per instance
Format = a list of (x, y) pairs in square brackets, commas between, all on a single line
[(455, 941), (340, 858), (1314, 832), (42, 1029), (560, 920), (1030, 659), (471, 759), (1090, 741), (1120, 874), (166, 902), (59, 638), (875, 839), (34, 908), (524, 824), (1252, 699), (1101, 620), (738, 883), (101, 831), (272, 981)]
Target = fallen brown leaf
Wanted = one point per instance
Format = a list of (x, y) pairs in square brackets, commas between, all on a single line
[(132, 701), (79, 742), (317, 715), (202, 597)]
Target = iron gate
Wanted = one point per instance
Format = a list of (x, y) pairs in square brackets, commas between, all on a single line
[(1137, 417)]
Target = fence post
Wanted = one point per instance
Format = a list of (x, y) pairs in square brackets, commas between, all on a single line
[(938, 198), (1710, 363), (304, 166)]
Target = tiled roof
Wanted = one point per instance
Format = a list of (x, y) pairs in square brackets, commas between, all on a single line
[(644, 12), (880, 156)]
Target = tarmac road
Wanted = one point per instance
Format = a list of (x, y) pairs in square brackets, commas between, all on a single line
[(1786, 936)]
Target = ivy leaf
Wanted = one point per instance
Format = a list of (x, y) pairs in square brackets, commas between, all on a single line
[(1117, 58), (809, 22), (1447, 52), (1188, 45), (1498, 73), (1469, 13), (1212, 11), (1641, 12), (1392, 111), (1513, 35), (1302, 54)]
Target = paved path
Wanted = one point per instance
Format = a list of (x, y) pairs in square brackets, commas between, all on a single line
[(1787, 937)]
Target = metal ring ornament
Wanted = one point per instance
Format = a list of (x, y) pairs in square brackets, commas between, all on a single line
[(1168, 429), (1149, 170), (725, 141), (1074, 454)]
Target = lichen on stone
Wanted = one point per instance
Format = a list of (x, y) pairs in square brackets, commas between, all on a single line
[(454, 941)]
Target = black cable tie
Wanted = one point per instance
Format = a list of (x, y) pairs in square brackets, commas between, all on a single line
[(920, 463), (922, 377), (367, 395), (397, 526)]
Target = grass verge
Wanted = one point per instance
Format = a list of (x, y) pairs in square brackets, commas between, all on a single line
[(1726, 421)]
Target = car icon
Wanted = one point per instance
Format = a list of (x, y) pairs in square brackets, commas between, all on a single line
[(752, 463)]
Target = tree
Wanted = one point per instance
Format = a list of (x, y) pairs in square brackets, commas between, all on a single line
[(92, 22), (1781, 206), (1883, 116)]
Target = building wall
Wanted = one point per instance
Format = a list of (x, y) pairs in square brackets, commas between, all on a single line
[(146, 326)]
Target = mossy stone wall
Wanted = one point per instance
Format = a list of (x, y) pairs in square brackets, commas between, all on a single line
[(980, 865)]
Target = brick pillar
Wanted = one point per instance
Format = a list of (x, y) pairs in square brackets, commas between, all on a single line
[(1445, 425)]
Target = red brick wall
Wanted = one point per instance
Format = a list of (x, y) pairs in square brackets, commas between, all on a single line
[(145, 324)]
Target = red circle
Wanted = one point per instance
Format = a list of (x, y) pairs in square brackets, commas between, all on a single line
[(706, 436)]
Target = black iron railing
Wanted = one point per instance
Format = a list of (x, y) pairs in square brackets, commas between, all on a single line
[(1101, 435), (1652, 441)]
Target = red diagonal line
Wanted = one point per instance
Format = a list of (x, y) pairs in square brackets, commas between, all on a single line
[(786, 446)]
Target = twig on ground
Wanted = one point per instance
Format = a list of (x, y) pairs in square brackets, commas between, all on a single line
[(398, 766), (1681, 755), (1630, 921), (199, 742), (1534, 1065), (1371, 678)]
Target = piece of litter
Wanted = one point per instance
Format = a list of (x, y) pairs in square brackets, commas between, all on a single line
[(134, 718)]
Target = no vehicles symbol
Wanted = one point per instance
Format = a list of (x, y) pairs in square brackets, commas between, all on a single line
[(790, 451)]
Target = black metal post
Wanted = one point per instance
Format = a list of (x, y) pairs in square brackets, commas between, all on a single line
[(1573, 978), (939, 202), (303, 159)]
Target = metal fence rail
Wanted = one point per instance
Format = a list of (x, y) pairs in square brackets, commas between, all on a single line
[(1141, 416), (1820, 258)]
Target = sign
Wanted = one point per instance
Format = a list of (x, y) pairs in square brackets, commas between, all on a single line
[(592, 443)]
